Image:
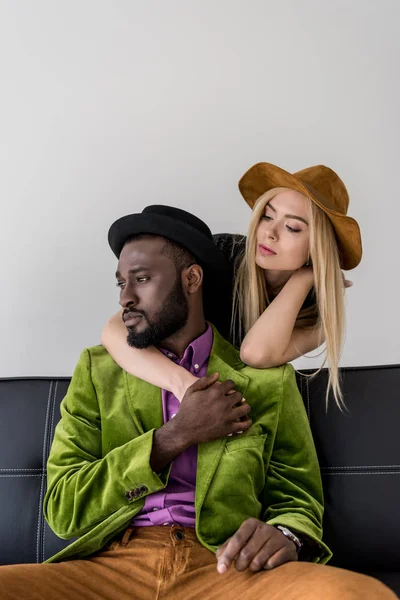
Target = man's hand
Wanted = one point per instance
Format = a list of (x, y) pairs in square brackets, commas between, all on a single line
[(256, 546), (210, 411)]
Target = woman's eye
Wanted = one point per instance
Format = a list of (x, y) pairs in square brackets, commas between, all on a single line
[(267, 217), (292, 230)]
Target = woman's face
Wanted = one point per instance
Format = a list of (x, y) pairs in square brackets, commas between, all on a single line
[(283, 234)]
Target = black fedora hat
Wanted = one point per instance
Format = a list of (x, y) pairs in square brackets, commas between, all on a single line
[(176, 225)]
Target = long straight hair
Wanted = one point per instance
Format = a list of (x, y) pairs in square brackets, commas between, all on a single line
[(327, 315)]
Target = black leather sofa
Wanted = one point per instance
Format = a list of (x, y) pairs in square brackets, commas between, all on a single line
[(359, 454)]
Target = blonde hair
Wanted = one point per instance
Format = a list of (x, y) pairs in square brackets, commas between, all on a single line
[(250, 295)]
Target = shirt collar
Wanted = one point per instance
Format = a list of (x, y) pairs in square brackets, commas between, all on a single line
[(197, 352)]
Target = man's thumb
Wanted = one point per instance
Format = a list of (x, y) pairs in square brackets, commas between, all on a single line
[(205, 382)]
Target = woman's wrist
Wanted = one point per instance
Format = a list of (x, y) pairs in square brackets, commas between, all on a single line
[(304, 277), (182, 383)]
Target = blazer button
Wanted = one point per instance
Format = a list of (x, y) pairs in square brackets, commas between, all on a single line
[(136, 492), (143, 489), (129, 495)]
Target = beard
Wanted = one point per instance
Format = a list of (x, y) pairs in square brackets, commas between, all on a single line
[(171, 317)]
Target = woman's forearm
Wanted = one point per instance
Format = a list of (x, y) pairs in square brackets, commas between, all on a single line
[(267, 342), (148, 364)]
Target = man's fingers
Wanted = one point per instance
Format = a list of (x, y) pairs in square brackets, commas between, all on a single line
[(282, 556), (255, 546), (248, 555), (271, 547), (234, 546), (227, 386), (221, 549), (241, 426), (205, 382), (241, 411), (235, 398)]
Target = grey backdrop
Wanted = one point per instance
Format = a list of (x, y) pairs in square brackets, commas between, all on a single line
[(109, 105)]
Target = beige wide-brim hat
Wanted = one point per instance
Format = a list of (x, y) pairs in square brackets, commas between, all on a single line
[(321, 185)]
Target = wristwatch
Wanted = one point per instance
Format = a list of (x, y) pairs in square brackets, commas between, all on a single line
[(291, 536)]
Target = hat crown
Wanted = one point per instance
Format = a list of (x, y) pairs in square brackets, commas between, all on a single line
[(327, 186), (179, 215)]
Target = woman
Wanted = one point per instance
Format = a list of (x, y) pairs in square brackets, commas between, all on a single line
[(288, 287)]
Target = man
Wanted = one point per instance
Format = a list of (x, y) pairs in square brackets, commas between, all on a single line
[(217, 497)]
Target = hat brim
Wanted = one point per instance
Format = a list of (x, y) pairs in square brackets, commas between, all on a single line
[(203, 248), (263, 177)]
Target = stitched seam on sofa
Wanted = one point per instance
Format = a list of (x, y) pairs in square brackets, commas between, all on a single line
[(40, 517), (21, 475), (47, 457), (364, 473), (365, 467), (52, 418), (37, 470)]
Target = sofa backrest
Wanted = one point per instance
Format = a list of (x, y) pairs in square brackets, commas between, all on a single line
[(359, 453), (29, 412)]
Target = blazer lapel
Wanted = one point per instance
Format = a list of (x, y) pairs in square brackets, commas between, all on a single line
[(209, 454), (145, 403)]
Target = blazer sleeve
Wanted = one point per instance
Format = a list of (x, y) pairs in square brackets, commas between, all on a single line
[(85, 487), (293, 496)]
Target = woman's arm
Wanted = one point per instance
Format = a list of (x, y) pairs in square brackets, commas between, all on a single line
[(273, 339), (149, 364)]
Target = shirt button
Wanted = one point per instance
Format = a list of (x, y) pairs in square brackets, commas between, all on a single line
[(170, 355), (155, 508), (174, 415), (165, 523), (196, 366)]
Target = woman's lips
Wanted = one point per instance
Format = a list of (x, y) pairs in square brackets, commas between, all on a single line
[(266, 250)]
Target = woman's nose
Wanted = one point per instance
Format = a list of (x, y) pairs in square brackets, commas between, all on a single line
[(272, 232)]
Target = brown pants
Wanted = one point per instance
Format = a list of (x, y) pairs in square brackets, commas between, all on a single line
[(151, 563)]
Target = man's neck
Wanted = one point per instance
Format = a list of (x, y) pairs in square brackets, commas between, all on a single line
[(179, 341)]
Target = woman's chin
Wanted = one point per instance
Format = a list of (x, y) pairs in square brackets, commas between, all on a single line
[(266, 262), (273, 263)]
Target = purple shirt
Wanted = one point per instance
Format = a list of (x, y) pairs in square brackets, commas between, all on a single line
[(174, 505)]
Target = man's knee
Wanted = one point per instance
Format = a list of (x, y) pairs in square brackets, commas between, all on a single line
[(314, 582), (354, 586), (23, 581)]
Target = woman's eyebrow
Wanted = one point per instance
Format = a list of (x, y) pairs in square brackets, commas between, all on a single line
[(288, 216), (295, 217)]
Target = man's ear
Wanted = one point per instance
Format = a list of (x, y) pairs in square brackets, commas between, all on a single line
[(192, 278)]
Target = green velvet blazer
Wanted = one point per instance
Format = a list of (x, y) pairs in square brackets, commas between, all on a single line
[(102, 446)]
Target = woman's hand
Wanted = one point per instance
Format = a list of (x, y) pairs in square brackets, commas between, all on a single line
[(346, 282), (306, 274)]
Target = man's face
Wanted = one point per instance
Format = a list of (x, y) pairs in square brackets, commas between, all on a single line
[(152, 297)]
